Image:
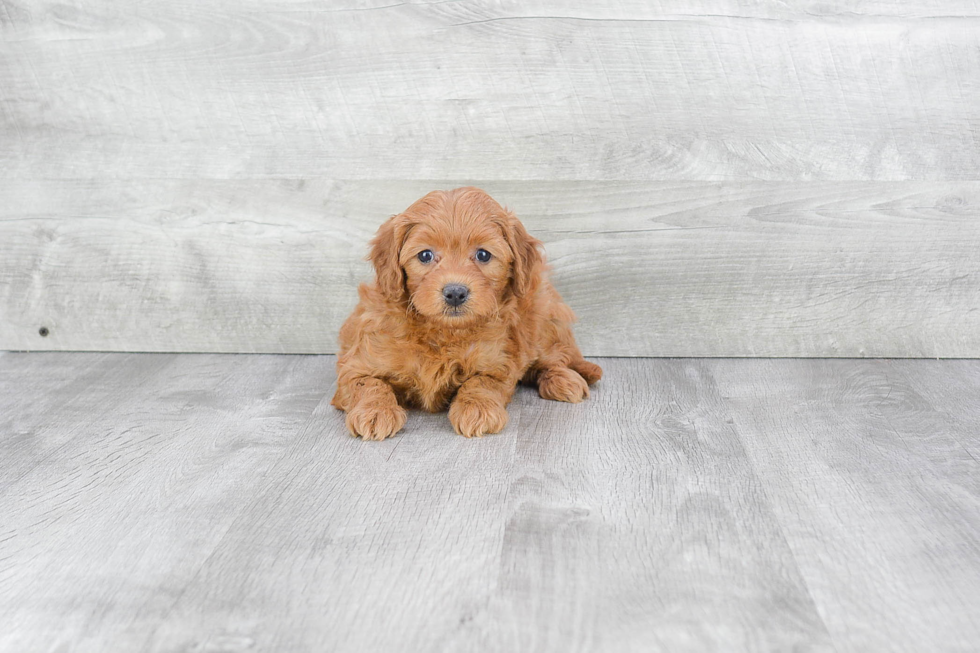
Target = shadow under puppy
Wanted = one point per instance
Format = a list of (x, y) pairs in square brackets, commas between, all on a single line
[(460, 312)]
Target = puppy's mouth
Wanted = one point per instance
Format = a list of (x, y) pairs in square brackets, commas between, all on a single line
[(446, 312)]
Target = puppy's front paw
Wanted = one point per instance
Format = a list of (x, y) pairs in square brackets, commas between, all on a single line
[(563, 384), (375, 422), (474, 417)]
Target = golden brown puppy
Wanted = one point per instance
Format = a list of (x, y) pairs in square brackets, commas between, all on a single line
[(460, 312)]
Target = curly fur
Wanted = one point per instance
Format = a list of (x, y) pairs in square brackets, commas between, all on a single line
[(404, 346)]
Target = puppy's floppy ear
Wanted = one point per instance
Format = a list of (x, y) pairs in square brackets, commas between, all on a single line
[(527, 257), (385, 249)]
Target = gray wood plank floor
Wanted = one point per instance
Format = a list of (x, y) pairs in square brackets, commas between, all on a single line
[(166, 502)]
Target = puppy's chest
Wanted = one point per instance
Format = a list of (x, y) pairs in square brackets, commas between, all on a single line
[(435, 371)]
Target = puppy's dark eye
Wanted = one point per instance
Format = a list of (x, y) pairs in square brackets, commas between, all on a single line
[(483, 255), (425, 256)]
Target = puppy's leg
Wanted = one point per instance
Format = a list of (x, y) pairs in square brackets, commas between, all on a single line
[(480, 405), (589, 371), (561, 373), (372, 409), (561, 383)]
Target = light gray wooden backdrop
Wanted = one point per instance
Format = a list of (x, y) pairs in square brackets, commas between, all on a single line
[(711, 178)]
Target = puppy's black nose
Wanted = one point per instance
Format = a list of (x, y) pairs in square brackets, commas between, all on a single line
[(455, 294)]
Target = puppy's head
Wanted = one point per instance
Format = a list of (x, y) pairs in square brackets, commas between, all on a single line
[(455, 256)]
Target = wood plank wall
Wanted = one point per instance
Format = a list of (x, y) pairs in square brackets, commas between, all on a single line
[(711, 178)]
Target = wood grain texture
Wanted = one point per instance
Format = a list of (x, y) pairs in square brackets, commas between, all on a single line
[(710, 90), (878, 497), (866, 269), (86, 531), (636, 523), (68, 387), (723, 505), (953, 395)]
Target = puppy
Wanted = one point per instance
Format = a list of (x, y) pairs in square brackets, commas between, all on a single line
[(460, 312)]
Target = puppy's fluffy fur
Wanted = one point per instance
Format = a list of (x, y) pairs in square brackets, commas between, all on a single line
[(405, 345)]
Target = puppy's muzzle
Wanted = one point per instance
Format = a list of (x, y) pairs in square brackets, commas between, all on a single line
[(455, 294)]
